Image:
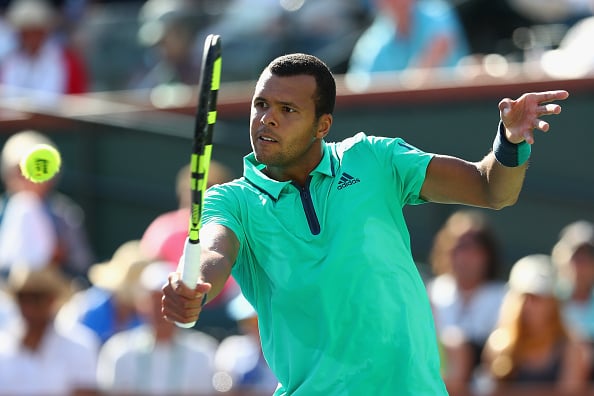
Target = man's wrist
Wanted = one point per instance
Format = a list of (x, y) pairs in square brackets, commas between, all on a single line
[(507, 153)]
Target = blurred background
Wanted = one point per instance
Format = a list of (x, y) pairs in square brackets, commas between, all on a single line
[(118, 94), (126, 135)]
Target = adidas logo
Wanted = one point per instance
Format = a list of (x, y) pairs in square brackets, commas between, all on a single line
[(347, 180)]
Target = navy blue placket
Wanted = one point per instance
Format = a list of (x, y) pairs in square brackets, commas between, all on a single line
[(308, 206)]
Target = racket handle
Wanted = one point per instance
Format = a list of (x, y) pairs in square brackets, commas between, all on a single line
[(189, 267)]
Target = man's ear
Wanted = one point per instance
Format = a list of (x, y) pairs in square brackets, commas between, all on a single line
[(324, 124)]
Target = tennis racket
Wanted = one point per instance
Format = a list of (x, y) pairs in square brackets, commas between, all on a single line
[(206, 116)]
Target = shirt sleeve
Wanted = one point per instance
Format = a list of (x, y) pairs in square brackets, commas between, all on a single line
[(222, 206), (407, 163)]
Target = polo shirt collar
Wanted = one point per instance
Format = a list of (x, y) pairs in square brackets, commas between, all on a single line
[(252, 171)]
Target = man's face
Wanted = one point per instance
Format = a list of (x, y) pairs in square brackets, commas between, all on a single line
[(285, 133)]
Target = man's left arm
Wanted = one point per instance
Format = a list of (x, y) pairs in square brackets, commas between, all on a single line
[(496, 180)]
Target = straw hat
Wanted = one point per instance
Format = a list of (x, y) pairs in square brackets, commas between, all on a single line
[(48, 280), (121, 273)]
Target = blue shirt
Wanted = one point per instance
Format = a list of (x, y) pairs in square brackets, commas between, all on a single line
[(381, 49)]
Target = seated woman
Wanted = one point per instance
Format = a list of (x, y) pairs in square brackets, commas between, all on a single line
[(531, 345), (465, 292)]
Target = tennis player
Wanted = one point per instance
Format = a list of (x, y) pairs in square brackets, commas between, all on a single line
[(315, 235)]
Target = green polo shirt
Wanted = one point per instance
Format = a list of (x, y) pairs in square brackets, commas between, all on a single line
[(341, 305)]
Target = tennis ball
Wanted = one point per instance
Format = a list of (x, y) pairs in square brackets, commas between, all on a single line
[(40, 163)]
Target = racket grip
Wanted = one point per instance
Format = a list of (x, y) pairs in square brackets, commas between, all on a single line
[(189, 267)]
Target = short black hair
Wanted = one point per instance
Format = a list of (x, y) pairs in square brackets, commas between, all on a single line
[(298, 63)]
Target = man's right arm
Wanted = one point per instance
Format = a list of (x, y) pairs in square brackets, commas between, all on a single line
[(220, 247)]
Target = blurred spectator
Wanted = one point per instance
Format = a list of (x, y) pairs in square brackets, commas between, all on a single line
[(409, 34), (573, 255), (41, 68), (531, 344), (239, 360), (465, 293), (253, 27), (328, 29), (165, 237), (168, 30), (39, 225), (156, 358), (269, 28), (38, 357), (128, 45), (107, 307), (107, 37)]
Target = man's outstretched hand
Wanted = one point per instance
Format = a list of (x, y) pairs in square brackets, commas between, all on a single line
[(522, 116)]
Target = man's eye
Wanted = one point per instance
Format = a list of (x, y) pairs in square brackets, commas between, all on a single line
[(288, 109)]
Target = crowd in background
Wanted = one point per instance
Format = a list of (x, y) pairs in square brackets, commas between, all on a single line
[(71, 323), (74, 46), (529, 325)]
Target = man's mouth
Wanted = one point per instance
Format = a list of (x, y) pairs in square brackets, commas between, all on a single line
[(267, 139)]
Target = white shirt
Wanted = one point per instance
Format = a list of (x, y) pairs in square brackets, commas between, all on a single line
[(66, 360), (475, 317), (27, 234), (130, 361), (42, 78)]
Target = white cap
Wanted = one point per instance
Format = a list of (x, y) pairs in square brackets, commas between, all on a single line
[(573, 237), (154, 276), (533, 274)]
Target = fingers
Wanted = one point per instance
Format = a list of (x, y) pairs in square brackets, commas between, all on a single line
[(548, 109), (181, 303), (182, 289), (542, 125), (523, 115), (180, 309), (528, 134), (549, 96)]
